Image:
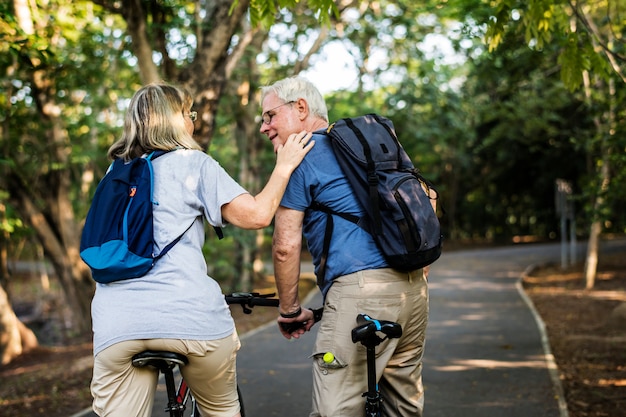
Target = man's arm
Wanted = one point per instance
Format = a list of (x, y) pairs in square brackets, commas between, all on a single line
[(286, 250)]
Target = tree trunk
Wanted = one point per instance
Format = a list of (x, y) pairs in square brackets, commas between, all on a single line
[(15, 338), (604, 131), (135, 18), (208, 74), (43, 198), (62, 251), (591, 261), (248, 173), (47, 206)]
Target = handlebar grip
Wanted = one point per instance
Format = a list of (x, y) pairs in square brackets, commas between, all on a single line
[(269, 302), (252, 299), (295, 325), (248, 300)]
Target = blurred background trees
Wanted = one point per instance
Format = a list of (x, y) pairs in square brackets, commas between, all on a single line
[(495, 101)]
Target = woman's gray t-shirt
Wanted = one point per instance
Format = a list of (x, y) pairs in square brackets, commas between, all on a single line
[(176, 299)]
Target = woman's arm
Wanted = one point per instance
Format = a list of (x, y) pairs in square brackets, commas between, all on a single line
[(255, 212)]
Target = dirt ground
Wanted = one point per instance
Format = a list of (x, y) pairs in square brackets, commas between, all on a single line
[(587, 338), (587, 334)]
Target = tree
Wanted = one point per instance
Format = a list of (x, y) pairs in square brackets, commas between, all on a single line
[(68, 69), (44, 111), (590, 37), (589, 34), (525, 121), (47, 113), (15, 337)]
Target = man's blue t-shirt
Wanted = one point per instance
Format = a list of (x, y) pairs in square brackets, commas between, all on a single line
[(319, 178)]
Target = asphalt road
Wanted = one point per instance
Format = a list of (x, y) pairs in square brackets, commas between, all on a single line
[(486, 354)]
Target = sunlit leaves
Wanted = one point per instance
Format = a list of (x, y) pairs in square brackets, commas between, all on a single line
[(573, 61), (498, 24), (75, 52), (264, 12), (586, 31)]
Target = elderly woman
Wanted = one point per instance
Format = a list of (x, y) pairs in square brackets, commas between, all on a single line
[(176, 306)]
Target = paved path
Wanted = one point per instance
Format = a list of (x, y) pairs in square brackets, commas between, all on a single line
[(484, 353), (485, 350)]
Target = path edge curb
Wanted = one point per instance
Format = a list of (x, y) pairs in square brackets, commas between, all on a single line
[(545, 343)]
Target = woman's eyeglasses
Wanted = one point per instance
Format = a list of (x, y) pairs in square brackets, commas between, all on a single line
[(193, 115)]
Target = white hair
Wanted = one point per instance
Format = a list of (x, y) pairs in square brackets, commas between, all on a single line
[(294, 88)]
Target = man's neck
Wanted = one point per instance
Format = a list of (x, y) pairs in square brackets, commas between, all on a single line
[(318, 124)]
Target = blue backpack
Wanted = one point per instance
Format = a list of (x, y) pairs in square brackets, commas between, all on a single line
[(117, 240), (393, 193)]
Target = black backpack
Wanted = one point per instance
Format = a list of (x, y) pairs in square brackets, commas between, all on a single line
[(395, 196)]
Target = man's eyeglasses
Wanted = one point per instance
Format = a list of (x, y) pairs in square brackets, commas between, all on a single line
[(267, 117), (193, 115)]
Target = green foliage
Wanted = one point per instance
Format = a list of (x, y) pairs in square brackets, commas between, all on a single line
[(573, 62), (586, 33), (75, 53), (264, 12), (491, 130), (530, 131)]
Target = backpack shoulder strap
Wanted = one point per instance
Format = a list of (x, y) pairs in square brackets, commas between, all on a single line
[(372, 177), (328, 232), (346, 216), (173, 243), (151, 157)]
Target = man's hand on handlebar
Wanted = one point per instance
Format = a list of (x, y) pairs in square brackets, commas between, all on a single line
[(296, 326)]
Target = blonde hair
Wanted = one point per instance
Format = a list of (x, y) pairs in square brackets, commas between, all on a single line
[(154, 120), (294, 88)]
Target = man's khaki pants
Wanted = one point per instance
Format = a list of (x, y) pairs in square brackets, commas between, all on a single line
[(383, 294)]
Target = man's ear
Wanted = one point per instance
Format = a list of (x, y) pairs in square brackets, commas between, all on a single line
[(303, 108)]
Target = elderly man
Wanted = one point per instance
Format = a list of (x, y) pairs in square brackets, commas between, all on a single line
[(356, 277)]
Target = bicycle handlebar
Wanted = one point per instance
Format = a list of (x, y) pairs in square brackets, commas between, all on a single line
[(248, 300), (365, 332)]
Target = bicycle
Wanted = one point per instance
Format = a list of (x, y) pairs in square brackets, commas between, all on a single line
[(365, 333), (166, 362)]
